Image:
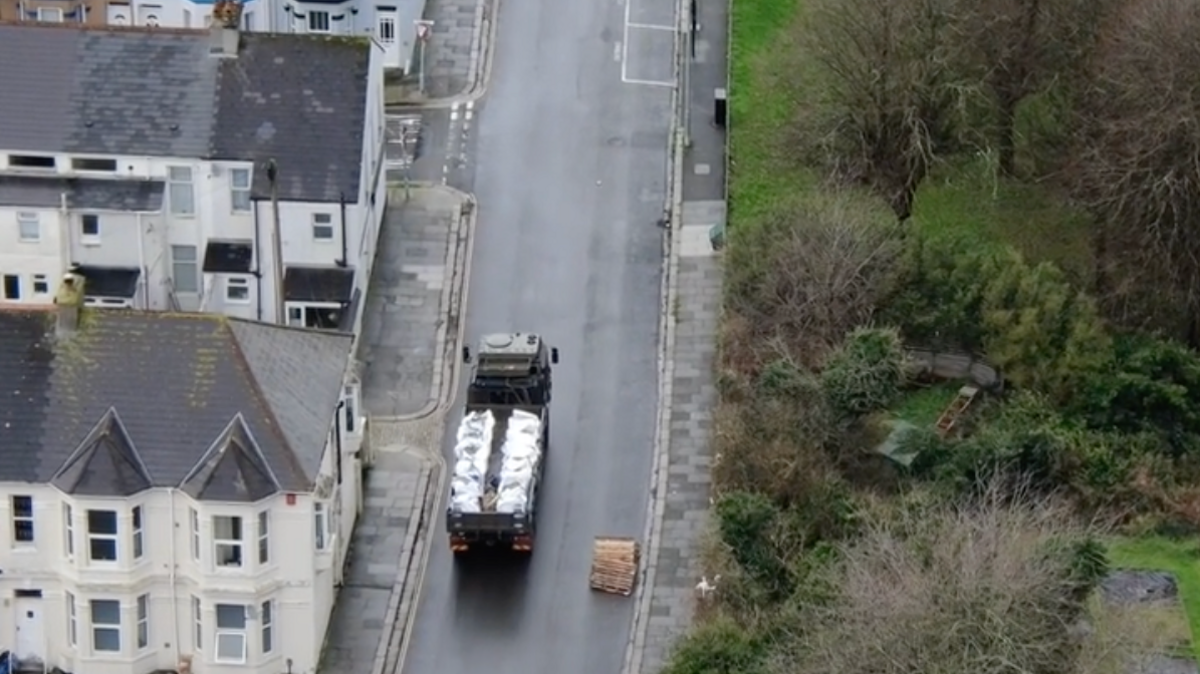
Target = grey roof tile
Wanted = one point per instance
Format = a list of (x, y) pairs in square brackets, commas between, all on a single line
[(296, 99), (105, 464), (101, 195), (233, 470), (176, 381)]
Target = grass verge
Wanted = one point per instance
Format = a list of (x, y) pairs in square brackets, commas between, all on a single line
[(1181, 558)]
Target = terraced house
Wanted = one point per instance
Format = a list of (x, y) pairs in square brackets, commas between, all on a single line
[(207, 170), (391, 23), (176, 490)]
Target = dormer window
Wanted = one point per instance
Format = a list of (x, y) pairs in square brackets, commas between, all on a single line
[(89, 164), (31, 161)]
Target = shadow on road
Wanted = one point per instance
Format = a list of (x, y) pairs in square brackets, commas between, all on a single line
[(489, 591)]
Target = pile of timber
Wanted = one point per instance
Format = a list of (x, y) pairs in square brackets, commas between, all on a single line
[(614, 565)]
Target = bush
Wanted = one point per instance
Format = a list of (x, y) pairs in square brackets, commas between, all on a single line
[(718, 647), (866, 372), (747, 524), (956, 589)]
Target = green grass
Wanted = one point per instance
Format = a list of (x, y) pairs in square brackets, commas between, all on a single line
[(1181, 558), (973, 204), (922, 406)]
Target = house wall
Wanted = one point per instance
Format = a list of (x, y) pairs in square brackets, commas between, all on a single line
[(176, 566), (166, 13), (40, 260)]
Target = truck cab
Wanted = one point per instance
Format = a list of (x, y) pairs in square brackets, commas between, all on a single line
[(510, 369)]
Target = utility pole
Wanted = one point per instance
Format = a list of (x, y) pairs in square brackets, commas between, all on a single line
[(424, 28)]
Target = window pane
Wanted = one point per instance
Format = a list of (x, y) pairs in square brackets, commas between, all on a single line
[(22, 506), (137, 517), (106, 612), (102, 549), (231, 647), (231, 617), (180, 174), (106, 639), (182, 199), (102, 522), (227, 528), (143, 606), (241, 179)]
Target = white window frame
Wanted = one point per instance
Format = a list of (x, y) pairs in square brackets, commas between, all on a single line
[(388, 35), (109, 627), (197, 624), (239, 190), (69, 530), (137, 525), (181, 191), (234, 285), (320, 526), (27, 519), (182, 267), (264, 537), (142, 625), (40, 280), (114, 538), (237, 546), (312, 20), (322, 227), (17, 279), (224, 634), (266, 622), (72, 620), (195, 529), (44, 12), (84, 237), (29, 227)]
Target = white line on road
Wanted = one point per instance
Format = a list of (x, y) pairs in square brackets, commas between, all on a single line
[(454, 112), (649, 83), (617, 52), (648, 26)]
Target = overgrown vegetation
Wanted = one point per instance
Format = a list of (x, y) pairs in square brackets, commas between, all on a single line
[(1012, 179)]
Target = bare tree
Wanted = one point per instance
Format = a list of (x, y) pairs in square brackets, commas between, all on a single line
[(1017, 48), (986, 587), (889, 97), (1137, 163), (817, 273)]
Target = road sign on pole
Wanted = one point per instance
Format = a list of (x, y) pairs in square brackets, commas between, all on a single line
[(424, 28)]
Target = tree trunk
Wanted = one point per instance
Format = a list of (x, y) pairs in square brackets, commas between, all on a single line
[(1006, 122)]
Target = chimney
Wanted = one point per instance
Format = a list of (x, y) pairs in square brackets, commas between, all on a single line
[(224, 38), (68, 302)]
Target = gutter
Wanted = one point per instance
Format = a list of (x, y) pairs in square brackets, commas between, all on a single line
[(344, 262)]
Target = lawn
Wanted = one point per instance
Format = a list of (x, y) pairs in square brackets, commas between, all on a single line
[(922, 406), (1181, 558)]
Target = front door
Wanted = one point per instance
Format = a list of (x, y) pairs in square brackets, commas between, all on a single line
[(30, 640), (118, 14)]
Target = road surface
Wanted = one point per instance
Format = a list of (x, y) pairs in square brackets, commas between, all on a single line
[(569, 167)]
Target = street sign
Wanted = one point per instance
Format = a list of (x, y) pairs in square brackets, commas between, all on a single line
[(423, 29)]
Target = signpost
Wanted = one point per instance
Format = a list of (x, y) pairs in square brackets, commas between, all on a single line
[(424, 28)]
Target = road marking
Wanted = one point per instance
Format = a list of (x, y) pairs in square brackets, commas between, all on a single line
[(617, 52), (624, 49), (454, 112), (648, 26), (470, 112), (649, 83)]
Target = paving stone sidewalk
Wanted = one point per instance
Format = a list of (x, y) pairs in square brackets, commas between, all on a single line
[(410, 312), (454, 55), (405, 323), (673, 565)]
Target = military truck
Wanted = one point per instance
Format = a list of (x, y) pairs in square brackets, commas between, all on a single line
[(501, 443)]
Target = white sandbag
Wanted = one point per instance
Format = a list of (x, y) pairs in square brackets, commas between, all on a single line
[(522, 453), (471, 454)]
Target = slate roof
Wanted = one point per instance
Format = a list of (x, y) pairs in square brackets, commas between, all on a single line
[(224, 409), (318, 284), (297, 99), (145, 196)]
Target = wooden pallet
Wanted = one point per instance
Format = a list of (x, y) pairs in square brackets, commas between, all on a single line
[(958, 406), (614, 565)]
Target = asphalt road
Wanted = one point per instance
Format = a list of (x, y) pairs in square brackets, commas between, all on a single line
[(569, 168)]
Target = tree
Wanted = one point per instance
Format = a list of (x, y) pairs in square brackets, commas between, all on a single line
[(866, 373), (889, 93), (1137, 163), (1016, 48), (808, 276), (954, 589)]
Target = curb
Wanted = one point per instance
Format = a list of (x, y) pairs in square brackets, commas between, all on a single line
[(401, 595), (479, 68), (639, 625)]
